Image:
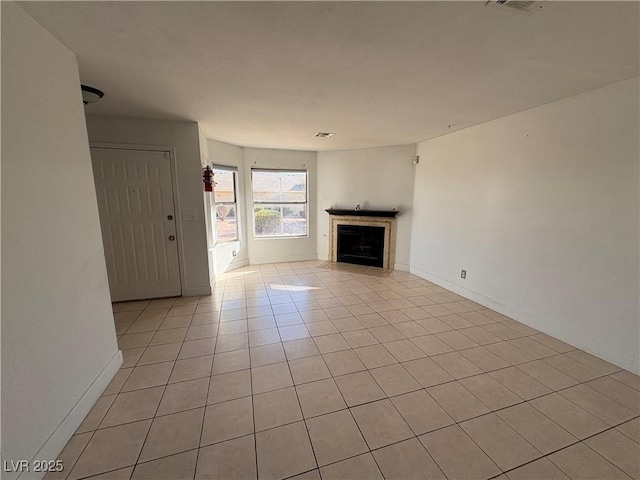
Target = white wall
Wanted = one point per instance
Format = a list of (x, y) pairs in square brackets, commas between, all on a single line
[(184, 138), (207, 199), (221, 153), (375, 178), (542, 209), (268, 250), (59, 347)]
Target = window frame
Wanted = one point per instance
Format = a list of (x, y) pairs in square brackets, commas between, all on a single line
[(305, 203), (234, 171)]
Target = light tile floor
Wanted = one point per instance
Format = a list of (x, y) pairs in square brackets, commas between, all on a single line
[(315, 370)]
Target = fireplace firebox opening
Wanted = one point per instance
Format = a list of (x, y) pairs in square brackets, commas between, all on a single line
[(362, 245)]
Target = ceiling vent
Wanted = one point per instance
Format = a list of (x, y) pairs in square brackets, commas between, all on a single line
[(324, 134), (521, 6)]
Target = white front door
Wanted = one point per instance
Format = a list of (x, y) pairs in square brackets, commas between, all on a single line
[(137, 217)]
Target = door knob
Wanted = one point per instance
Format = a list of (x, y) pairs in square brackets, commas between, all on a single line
[(172, 238)]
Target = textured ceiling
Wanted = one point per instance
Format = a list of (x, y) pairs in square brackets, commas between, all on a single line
[(271, 74)]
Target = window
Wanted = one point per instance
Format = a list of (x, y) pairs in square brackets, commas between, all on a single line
[(279, 203), (226, 203)]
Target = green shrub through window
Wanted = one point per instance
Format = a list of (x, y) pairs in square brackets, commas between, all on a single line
[(279, 203)]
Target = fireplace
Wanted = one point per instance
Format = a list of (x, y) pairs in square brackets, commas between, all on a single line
[(363, 237), (362, 245)]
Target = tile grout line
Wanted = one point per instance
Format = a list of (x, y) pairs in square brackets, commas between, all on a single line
[(444, 383), (393, 443), (206, 406), (573, 444), (373, 401), (253, 410), (306, 427), (454, 379), (81, 452), (348, 408), (536, 358), (146, 437)]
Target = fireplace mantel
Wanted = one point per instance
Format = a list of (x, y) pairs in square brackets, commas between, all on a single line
[(362, 213)]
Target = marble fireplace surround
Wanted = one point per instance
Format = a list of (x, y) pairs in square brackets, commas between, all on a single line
[(367, 218)]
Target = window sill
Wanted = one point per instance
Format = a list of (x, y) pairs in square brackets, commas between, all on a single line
[(283, 237)]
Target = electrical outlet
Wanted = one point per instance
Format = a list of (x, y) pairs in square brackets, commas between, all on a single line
[(234, 253), (463, 274)]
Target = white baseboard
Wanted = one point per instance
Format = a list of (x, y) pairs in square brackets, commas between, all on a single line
[(284, 258), (324, 258), (233, 266), (196, 291), (577, 339), (63, 432), (403, 267)]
